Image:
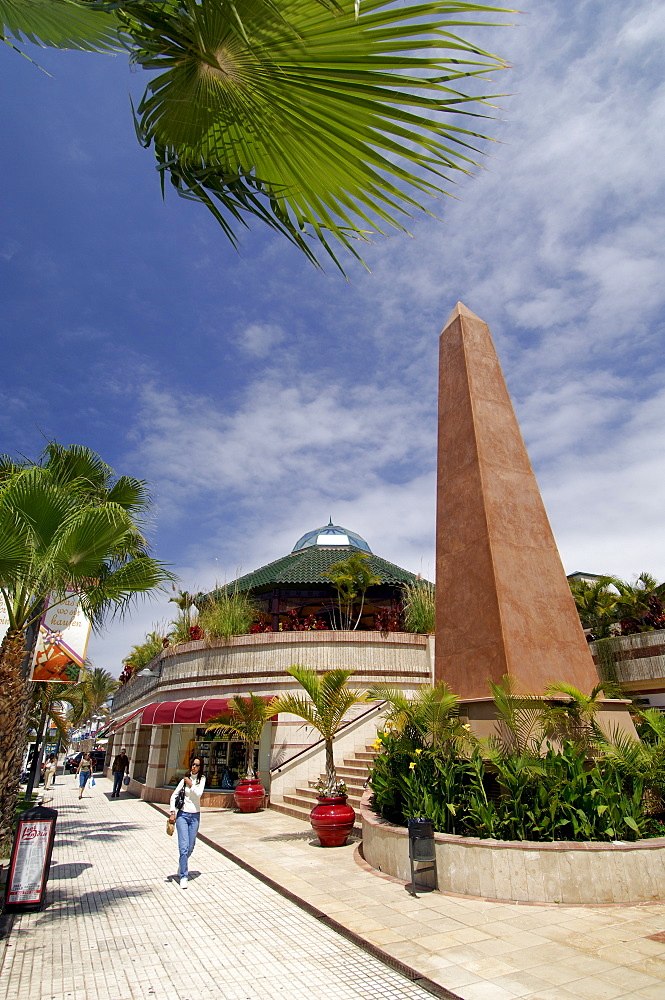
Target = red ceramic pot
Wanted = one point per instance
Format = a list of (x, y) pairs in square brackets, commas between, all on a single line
[(248, 795), (332, 820)]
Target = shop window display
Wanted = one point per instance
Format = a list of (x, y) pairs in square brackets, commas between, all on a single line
[(223, 760)]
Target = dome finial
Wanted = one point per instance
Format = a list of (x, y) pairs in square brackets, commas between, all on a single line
[(330, 524)]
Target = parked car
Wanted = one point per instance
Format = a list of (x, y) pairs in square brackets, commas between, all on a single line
[(72, 761)]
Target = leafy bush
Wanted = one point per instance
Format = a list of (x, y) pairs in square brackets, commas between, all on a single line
[(547, 772), (141, 655), (419, 607), (228, 614), (508, 797)]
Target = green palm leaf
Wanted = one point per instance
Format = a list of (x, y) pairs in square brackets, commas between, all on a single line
[(336, 125), (62, 24)]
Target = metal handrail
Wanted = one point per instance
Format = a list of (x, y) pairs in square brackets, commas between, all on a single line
[(374, 708)]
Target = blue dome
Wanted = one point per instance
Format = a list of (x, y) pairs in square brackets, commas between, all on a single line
[(331, 535)]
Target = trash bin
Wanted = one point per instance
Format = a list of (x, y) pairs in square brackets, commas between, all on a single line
[(421, 848)]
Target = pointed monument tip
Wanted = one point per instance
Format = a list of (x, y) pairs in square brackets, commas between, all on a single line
[(460, 310)]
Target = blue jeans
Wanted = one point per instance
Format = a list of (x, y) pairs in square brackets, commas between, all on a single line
[(187, 826), (83, 777), (117, 782)]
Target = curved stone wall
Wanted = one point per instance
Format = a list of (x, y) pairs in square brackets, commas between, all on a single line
[(222, 667), (559, 872)]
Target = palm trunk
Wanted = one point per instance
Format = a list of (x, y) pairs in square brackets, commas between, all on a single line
[(331, 773), (13, 724), (249, 761), (37, 755), (360, 613)]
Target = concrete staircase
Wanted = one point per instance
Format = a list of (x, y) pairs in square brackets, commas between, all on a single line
[(354, 772)]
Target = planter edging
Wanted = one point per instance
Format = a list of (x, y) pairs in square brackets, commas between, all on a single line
[(525, 871)]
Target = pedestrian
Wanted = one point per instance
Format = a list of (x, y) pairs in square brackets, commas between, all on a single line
[(120, 768), (84, 772), (50, 769), (188, 814)]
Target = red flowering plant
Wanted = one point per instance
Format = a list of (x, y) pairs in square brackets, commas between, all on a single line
[(294, 623), (128, 671), (387, 620)]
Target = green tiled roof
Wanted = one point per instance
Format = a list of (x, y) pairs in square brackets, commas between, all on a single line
[(308, 567)]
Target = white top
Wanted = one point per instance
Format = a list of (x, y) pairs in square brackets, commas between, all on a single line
[(193, 795)]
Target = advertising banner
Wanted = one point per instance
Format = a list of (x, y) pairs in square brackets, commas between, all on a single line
[(31, 858), (61, 643)]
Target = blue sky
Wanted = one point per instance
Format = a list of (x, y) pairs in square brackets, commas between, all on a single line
[(259, 397)]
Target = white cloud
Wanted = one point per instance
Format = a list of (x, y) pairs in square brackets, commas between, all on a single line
[(259, 339), (558, 245)]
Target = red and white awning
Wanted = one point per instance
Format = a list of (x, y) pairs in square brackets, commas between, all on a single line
[(189, 711)]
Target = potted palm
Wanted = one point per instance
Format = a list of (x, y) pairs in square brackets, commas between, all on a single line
[(245, 722), (330, 698)]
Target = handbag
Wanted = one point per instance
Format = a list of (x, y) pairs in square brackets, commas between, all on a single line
[(170, 826), (125, 780), (92, 782), (180, 798)]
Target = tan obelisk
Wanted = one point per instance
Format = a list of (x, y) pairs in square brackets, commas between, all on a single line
[(503, 602)]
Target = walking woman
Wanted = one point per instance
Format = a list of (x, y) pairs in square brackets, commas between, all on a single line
[(50, 768), (84, 772), (188, 814)]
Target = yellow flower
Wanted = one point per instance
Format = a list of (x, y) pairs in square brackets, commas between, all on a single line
[(418, 751), (466, 726), (413, 764)]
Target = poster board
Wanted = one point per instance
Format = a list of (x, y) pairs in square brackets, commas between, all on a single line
[(30, 859), (62, 641)]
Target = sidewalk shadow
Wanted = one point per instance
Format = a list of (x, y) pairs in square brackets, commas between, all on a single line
[(67, 869), (60, 907), (284, 838)]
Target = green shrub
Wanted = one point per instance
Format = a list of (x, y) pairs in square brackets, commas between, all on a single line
[(179, 631), (228, 614), (141, 655), (509, 796), (419, 607)]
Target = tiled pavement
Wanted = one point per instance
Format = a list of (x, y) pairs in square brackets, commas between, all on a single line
[(479, 950), (114, 928)]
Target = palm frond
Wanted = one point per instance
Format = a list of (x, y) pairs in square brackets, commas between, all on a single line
[(329, 127), (62, 24)]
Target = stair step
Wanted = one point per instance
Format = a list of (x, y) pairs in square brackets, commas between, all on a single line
[(348, 770), (302, 813), (367, 755), (294, 811), (301, 796), (357, 781)]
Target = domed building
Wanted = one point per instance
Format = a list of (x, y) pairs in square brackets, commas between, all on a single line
[(298, 585), (160, 714)]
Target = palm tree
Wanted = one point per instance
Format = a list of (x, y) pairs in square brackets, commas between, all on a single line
[(641, 760), (520, 726), (328, 120), (639, 606), (432, 716), (330, 698), (596, 604), (351, 578), (58, 534), (244, 722), (96, 687), (573, 717), (46, 702)]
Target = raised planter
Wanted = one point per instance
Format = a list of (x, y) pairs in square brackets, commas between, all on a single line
[(525, 871)]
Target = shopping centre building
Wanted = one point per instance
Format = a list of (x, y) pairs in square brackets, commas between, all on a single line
[(160, 715)]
